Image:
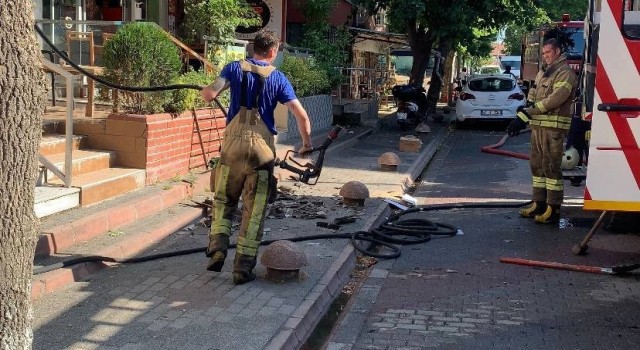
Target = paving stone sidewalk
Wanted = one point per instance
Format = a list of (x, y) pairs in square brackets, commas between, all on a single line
[(174, 303)]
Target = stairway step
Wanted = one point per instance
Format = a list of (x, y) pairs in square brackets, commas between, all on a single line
[(83, 161), (51, 126), (54, 199), (128, 241), (106, 183), (55, 143)]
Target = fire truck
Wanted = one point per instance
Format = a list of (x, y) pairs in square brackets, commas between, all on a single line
[(532, 48), (612, 103)]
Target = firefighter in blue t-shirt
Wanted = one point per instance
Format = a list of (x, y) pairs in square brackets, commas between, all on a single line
[(247, 155)]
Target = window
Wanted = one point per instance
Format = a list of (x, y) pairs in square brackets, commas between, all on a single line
[(631, 24), (492, 84)]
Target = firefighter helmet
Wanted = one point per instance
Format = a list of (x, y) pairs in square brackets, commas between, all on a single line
[(570, 158)]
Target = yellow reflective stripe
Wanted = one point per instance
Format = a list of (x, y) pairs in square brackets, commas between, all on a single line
[(539, 182), (562, 84), (554, 184), (587, 135), (259, 205), (220, 225), (552, 121), (249, 243), (611, 205), (523, 117), (246, 250), (541, 107)]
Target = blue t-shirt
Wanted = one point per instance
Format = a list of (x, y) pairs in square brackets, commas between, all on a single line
[(277, 89)]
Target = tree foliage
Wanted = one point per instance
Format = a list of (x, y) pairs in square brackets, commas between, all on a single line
[(549, 11), (217, 19), (329, 45), (449, 24)]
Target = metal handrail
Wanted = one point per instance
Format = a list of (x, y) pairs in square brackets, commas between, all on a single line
[(69, 78)]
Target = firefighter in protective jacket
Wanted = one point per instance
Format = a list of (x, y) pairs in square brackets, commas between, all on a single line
[(247, 156), (549, 111)]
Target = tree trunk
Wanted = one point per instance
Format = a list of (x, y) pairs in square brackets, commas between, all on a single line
[(435, 86), (421, 44), (448, 76), (22, 96)]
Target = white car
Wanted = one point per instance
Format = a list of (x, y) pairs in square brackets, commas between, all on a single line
[(489, 97)]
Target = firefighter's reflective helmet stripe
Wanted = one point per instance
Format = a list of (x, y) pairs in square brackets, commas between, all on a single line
[(554, 184), (220, 224), (539, 182), (552, 121), (539, 105), (251, 238)]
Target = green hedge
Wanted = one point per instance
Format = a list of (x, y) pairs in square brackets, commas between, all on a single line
[(141, 54), (307, 78)]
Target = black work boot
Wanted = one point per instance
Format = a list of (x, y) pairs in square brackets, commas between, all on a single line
[(550, 216), (216, 261), (535, 208), (243, 269), (217, 252)]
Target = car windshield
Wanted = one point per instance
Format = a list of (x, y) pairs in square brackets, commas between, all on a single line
[(491, 84)]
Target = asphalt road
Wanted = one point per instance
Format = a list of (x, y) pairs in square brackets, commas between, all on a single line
[(454, 293)]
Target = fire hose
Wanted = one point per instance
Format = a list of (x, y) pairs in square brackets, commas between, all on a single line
[(394, 232), (493, 149)]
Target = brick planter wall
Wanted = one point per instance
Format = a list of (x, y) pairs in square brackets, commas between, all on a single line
[(164, 144)]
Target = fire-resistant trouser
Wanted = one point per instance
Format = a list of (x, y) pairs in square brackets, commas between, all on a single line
[(245, 169), (545, 160)]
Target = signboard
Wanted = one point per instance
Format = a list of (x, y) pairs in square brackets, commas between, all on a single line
[(271, 13)]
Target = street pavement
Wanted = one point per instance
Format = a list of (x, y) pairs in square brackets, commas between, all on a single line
[(174, 303), (454, 293)]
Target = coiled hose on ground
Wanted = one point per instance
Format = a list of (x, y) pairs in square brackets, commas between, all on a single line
[(391, 234)]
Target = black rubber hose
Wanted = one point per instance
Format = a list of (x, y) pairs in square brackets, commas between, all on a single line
[(392, 231)]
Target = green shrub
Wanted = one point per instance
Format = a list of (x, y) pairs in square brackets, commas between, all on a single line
[(141, 54), (307, 78), (184, 99)]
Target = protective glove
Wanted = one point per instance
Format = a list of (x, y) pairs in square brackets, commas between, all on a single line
[(519, 123), (528, 104), (515, 126), (523, 109)]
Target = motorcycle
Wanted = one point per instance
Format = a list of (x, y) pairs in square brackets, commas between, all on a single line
[(412, 105)]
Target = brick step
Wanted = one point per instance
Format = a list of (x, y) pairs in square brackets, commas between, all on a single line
[(127, 241), (102, 184), (83, 161), (55, 143), (65, 229)]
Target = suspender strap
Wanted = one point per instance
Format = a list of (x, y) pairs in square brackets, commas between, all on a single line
[(263, 72), (243, 89)]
